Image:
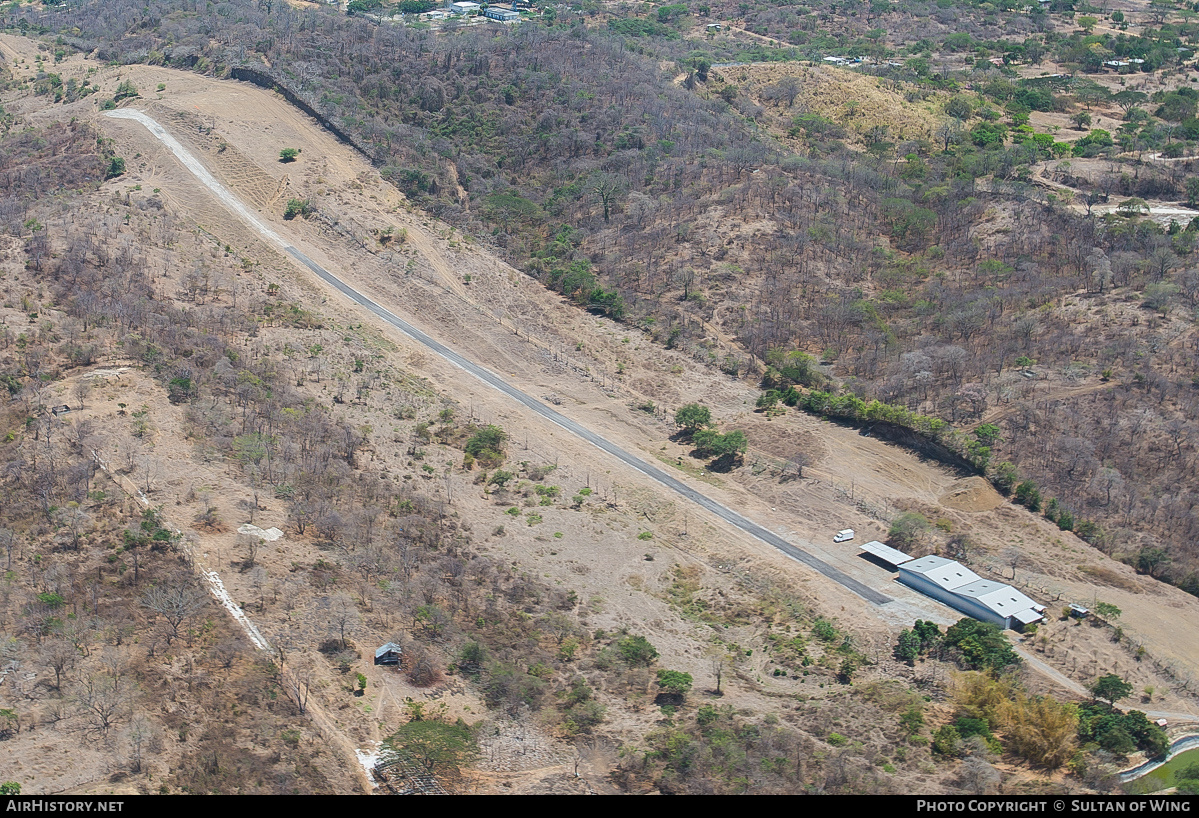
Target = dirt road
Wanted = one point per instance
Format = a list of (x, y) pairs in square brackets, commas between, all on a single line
[(491, 379)]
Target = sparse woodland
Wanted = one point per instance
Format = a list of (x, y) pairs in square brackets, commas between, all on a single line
[(924, 274), (661, 204)]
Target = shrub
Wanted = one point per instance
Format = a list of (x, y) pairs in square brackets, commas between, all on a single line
[(297, 207), (1028, 495), (288, 155), (636, 651)]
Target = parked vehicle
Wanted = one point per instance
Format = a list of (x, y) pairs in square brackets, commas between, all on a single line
[(843, 535)]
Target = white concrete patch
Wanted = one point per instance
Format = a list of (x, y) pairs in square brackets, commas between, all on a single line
[(105, 373), (268, 534), (222, 596), (368, 759)]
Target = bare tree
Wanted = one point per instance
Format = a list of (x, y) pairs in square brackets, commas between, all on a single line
[(80, 390), (978, 776), (8, 541), (102, 702), (249, 545), (343, 616), (175, 602), (59, 655)]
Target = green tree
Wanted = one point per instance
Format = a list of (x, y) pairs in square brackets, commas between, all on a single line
[(1028, 495), (487, 445), (929, 633), (116, 167), (1152, 560), (1110, 688), (1107, 611), (288, 155), (1004, 476), (908, 529), (980, 645), (987, 434), (125, 90), (947, 741), (907, 647), (911, 720), (441, 747), (674, 682), (10, 788), (731, 444), (636, 651), (959, 107), (297, 207), (693, 417)]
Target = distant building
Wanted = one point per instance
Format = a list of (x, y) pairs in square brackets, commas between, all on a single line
[(388, 654), (465, 8), (501, 15), (960, 588), (714, 26)]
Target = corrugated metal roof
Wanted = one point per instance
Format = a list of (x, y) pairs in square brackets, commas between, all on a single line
[(886, 553), (946, 573), (957, 579), (385, 649)]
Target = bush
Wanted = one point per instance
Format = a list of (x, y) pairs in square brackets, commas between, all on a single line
[(288, 155), (947, 741), (487, 445), (126, 90), (297, 207), (1028, 495), (637, 651), (674, 682), (908, 529)]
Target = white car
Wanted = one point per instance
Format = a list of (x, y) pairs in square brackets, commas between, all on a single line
[(843, 535)]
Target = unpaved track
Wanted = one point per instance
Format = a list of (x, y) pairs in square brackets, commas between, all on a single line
[(491, 379)]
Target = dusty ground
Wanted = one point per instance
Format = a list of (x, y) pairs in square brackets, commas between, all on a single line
[(511, 324)]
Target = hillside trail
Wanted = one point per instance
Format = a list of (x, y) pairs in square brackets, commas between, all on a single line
[(1002, 412), (313, 709)]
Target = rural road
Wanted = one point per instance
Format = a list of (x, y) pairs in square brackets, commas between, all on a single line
[(229, 200)]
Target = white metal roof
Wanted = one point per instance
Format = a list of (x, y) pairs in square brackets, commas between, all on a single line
[(886, 552), (1002, 599), (948, 574)]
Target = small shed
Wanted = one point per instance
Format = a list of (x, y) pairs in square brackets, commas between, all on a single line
[(1079, 612), (388, 654), (884, 555), (61, 410)]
